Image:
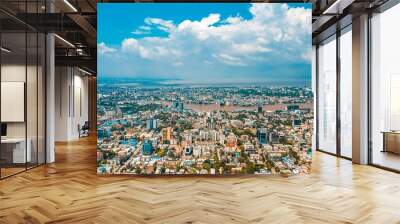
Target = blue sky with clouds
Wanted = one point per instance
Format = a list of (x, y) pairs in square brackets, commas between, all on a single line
[(205, 42)]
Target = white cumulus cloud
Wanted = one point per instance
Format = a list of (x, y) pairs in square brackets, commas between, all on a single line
[(165, 25), (103, 49)]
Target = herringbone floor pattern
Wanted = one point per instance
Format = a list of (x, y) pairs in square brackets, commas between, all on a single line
[(69, 191)]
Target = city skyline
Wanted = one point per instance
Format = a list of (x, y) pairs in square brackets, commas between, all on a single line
[(213, 43), (205, 130)]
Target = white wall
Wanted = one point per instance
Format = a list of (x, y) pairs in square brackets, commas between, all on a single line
[(71, 103), (81, 113), (12, 73), (62, 82)]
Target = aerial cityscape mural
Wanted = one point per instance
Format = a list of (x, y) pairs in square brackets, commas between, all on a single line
[(204, 89)]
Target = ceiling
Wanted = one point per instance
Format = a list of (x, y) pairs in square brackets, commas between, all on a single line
[(332, 15), (73, 21)]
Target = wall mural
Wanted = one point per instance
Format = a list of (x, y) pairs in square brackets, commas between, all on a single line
[(210, 88)]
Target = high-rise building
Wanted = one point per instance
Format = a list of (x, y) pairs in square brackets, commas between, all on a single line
[(259, 109), (231, 140), (214, 135), (196, 151), (147, 147), (204, 135), (296, 122), (178, 105), (211, 123), (221, 139), (262, 135), (274, 137), (103, 133), (189, 151), (249, 148), (154, 123), (166, 133), (189, 138), (293, 107), (133, 141), (149, 124)]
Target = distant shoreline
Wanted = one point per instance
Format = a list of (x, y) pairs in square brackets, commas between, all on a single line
[(157, 84)]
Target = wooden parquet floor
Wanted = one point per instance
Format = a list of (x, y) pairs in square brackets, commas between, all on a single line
[(69, 191)]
